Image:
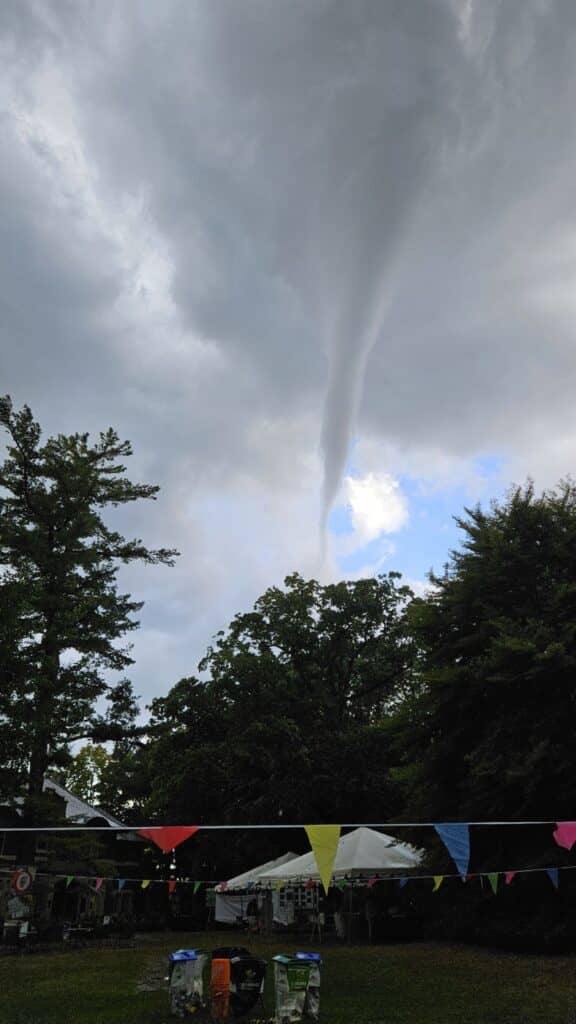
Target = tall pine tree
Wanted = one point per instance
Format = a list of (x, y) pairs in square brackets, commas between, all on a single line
[(61, 615)]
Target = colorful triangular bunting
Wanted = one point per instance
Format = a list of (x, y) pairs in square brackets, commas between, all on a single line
[(493, 879), (508, 876), (324, 841), (121, 884), (169, 837), (196, 886), (69, 880), (553, 876), (565, 834), (98, 884), (438, 879), (456, 839), (171, 885), (145, 883)]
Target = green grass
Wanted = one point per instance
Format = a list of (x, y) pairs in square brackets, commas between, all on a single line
[(420, 983)]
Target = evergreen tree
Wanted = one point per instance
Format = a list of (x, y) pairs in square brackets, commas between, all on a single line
[(61, 615), (492, 733)]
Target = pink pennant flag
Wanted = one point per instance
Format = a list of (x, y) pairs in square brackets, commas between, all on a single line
[(372, 881), (223, 886), (508, 876), (171, 885), (170, 837), (565, 834), (98, 885)]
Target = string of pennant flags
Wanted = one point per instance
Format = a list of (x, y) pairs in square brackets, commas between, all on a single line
[(492, 877), (324, 841)]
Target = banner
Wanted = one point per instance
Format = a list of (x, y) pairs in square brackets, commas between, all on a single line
[(565, 834), (456, 839), (170, 837), (553, 876), (324, 841)]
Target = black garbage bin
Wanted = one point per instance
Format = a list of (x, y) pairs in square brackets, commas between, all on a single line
[(244, 979)]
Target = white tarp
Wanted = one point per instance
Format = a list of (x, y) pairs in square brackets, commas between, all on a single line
[(249, 877), (363, 852), (230, 909)]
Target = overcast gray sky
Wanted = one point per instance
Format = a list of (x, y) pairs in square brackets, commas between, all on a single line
[(315, 258)]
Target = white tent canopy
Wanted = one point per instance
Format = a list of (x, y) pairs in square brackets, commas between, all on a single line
[(250, 877), (363, 852)]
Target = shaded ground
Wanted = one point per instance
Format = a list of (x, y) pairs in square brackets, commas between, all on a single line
[(419, 983)]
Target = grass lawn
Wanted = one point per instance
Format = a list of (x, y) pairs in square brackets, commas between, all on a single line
[(420, 983)]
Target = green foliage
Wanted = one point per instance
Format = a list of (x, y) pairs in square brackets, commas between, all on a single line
[(288, 724), (492, 734), (61, 615)]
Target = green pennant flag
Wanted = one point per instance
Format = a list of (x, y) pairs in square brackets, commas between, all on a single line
[(341, 883), (196, 887), (69, 879), (493, 879)]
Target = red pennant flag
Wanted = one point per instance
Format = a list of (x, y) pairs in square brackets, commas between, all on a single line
[(310, 884), (171, 886), (565, 834), (508, 876), (170, 837), (372, 881)]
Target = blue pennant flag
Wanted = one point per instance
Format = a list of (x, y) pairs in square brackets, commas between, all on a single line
[(553, 876), (456, 839), (402, 882), (121, 884)]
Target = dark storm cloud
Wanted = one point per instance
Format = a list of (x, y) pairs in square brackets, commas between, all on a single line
[(242, 232)]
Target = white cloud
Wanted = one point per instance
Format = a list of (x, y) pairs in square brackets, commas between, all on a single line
[(377, 505)]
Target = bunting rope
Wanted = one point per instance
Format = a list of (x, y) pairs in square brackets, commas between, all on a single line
[(206, 828), (352, 880)]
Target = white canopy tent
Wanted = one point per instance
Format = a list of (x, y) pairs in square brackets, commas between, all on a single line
[(250, 877), (361, 853), (233, 897)]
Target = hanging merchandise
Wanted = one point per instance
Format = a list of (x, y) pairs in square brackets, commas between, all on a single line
[(297, 987), (186, 977)]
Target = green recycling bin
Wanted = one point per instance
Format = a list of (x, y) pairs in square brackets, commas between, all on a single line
[(297, 987)]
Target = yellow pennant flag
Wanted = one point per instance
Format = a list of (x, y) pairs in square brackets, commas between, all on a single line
[(438, 879), (324, 842), (145, 883)]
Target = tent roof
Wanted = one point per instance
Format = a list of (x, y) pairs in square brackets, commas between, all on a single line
[(361, 852), (241, 881)]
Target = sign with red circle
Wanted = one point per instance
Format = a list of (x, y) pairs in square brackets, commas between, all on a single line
[(21, 880)]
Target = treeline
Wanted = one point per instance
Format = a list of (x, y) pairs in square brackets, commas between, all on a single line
[(355, 701)]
